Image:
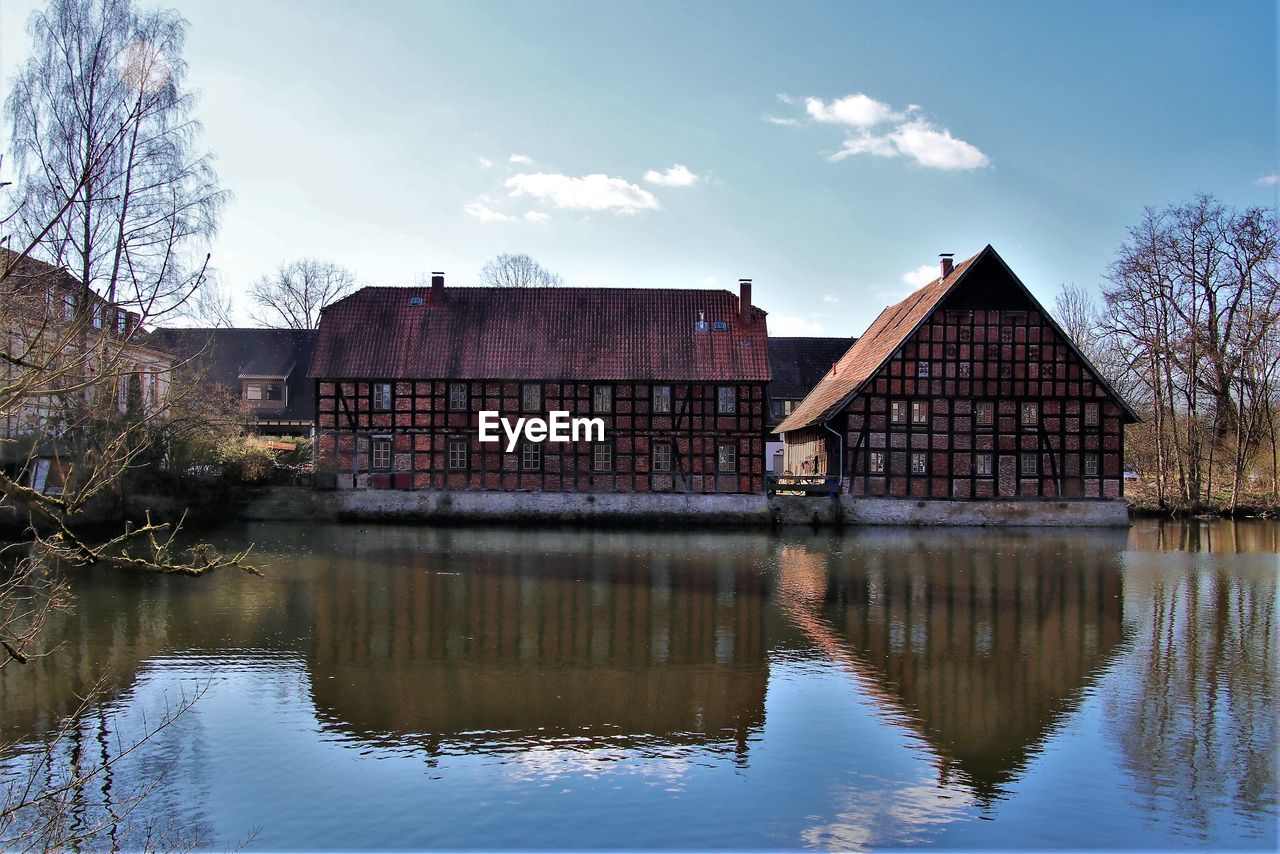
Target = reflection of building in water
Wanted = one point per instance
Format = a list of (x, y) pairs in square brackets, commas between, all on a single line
[(979, 650), (509, 641)]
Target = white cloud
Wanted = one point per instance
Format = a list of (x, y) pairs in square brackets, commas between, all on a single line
[(782, 324), (536, 216), (922, 142), (858, 110), (1268, 180), (830, 299), (676, 176), (485, 163), (920, 276), (876, 128), (865, 143), (522, 159), (936, 148), (710, 281), (481, 211), (591, 192)]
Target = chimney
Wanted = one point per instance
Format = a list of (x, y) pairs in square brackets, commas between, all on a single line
[(948, 263), (744, 298), (437, 287)]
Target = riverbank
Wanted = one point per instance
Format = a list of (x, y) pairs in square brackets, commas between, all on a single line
[(1143, 504)]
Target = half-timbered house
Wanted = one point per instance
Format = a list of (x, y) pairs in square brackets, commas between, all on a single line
[(966, 389), (676, 376)]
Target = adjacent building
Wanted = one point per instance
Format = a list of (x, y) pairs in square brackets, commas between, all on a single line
[(676, 377), (795, 367), (966, 389), (265, 369), (74, 361)]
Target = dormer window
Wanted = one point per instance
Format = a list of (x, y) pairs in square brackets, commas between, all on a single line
[(264, 390)]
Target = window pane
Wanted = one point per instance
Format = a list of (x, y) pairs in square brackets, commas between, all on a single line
[(603, 398), (1030, 464), (728, 400), (727, 458), (253, 391), (662, 398), (918, 462), (985, 412), (531, 397), (458, 396), (919, 412), (661, 458), (602, 457)]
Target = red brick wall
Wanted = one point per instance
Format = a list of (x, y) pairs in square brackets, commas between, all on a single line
[(1005, 358), (420, 425)]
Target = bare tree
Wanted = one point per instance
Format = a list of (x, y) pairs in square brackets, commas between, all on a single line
[(518, 271), (211, 306), (104, 233), (112, 184), (1194, 303), (294, 295)]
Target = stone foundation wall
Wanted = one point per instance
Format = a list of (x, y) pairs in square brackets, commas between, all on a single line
[(298, 504)]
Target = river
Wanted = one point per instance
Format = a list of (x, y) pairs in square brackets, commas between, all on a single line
[(395, 686)]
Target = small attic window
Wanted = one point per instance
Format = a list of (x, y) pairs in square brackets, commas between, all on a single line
[(720, 326), (701, 325), (415, 300)]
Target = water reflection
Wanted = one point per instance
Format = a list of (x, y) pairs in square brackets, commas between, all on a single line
[(517, 640), (872, 688), (1195, 720), (979, 650)]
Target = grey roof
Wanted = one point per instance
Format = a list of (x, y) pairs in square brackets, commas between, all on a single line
[(223, 356), (796, 364)]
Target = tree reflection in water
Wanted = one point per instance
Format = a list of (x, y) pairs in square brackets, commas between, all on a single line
[(1194, 717)]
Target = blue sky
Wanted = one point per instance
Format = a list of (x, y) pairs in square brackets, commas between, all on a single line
[(828, 150)]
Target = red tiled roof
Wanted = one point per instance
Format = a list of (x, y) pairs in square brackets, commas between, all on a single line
[(869, 352), (540, 334)]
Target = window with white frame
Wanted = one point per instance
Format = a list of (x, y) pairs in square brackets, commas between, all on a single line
[(1091, 415), (660, 457), (602, 457), (382, 396), (983, 465), (457, 454), (1030, 414), (898, 412), (380, 453), (531, 457), (984, 413), (1090, 465), (919, 462), (875, 464), (919, 412), (531, 397), (459, 397), (727, 458)]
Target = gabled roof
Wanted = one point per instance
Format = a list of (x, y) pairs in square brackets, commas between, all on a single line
[(891, 329), (224, 356), (541, 334), (796, 364)]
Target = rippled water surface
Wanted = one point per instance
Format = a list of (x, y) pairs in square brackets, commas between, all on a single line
[(408, 687)]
